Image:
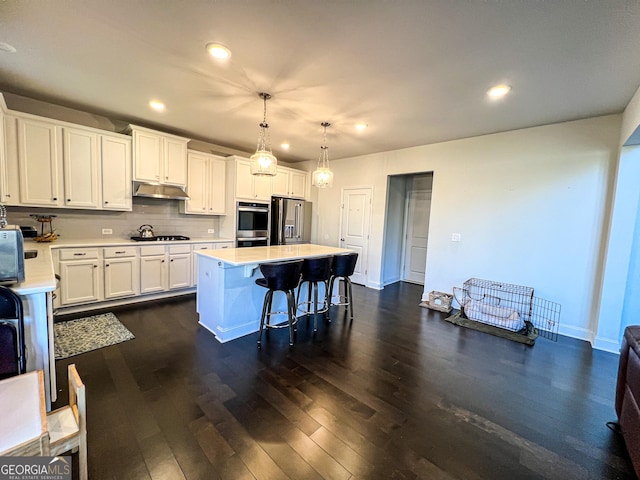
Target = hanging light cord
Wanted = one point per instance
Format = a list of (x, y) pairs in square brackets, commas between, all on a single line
[(263, 136)]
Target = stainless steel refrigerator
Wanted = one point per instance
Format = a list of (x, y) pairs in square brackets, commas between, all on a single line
[(290, 221)]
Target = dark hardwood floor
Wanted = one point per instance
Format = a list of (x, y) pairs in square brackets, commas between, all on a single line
[(397, 394)]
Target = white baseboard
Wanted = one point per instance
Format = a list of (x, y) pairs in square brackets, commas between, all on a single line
[(606, 344), (576, 332), (375, 285)]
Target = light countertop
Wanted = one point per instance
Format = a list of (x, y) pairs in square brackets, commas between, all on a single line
[(39, 275), (276, 253)]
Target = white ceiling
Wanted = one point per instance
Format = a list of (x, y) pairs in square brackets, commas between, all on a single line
[(415, 70)]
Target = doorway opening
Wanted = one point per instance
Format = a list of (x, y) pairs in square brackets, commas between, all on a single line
[(406, 228)]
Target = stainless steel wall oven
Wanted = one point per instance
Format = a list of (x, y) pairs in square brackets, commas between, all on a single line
[(252, 224)]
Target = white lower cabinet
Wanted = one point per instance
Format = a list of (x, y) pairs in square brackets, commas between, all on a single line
[(80, 276), (95, 274), (121, 272), (153, 269), (179, 266)]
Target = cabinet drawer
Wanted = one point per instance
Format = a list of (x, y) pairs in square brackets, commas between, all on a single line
[(115, 252), (78, 253), (179, 249), (151, 250), (224, 245), (203, 246)]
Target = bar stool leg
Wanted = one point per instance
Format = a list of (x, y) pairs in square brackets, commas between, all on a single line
[(330, 290), (290, 307), (350, 297), (264, 312), (315, 306), (327, 302)]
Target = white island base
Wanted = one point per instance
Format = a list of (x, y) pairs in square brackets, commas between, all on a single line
[(229, 302)]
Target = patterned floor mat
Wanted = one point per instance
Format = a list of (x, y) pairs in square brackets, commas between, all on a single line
[(90, 333)]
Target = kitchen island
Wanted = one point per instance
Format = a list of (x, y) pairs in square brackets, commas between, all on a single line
[(229, 302)]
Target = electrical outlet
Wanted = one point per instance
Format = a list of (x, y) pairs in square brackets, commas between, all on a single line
[(211, 230), (455, 237), (107, 231)]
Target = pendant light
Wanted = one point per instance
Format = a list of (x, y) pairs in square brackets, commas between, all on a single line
[(263, 162), (323, 176)]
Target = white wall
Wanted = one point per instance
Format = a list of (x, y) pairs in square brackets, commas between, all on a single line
[(530, 206)]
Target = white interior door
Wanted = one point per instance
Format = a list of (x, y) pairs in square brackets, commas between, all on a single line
[(416, 233), (354, 230)]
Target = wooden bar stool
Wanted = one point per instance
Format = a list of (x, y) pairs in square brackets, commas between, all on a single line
[(279, 277), (342, 268), (315, 270)]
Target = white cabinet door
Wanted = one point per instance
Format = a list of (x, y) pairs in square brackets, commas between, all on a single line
[(206, 186), (255, 187), (5, 195), (40, 162), (148, 155), (79, 282), (153, 274), (217, 186), (9, 178), (290, 183), (120, 277), (179, 271), (81, 168), (262, 187), (159, 157), (244, 180), (298, 184), (175, 161), (116, 173), (281, 183), (197, 186)]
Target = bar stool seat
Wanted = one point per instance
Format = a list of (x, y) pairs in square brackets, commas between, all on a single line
[(314, 271), (342, 268), (279, 277)]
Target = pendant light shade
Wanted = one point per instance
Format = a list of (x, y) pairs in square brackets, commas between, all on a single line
[(322, 177), (263, 162)]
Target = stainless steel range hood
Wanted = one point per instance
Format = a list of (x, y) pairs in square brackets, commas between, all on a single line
[(156, 190)]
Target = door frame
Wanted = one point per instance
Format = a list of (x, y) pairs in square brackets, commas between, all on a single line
[(365, 263)]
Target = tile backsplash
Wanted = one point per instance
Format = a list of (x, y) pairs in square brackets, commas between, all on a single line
[(163, 215)]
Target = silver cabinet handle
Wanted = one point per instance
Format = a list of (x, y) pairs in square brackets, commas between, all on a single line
[(121, 251), (79, 254)]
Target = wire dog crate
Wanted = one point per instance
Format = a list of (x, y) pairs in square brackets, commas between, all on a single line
[(506, 310)]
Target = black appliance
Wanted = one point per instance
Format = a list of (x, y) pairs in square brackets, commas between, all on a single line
[(252, 224), (290, 221)]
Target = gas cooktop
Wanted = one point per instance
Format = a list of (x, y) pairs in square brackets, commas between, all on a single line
[(160, 238)]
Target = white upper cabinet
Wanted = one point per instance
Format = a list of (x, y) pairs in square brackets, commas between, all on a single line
[(40, 162), (290, 183), (116, 172), (159, 157), (52, 163), (254, 187), (81, 168), (206, 184), (9, 184)]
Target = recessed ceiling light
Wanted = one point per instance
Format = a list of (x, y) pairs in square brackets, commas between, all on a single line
[(219, 51), (361, 126), (157, 105), (499, 91), (5, 47), (285, 146)]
